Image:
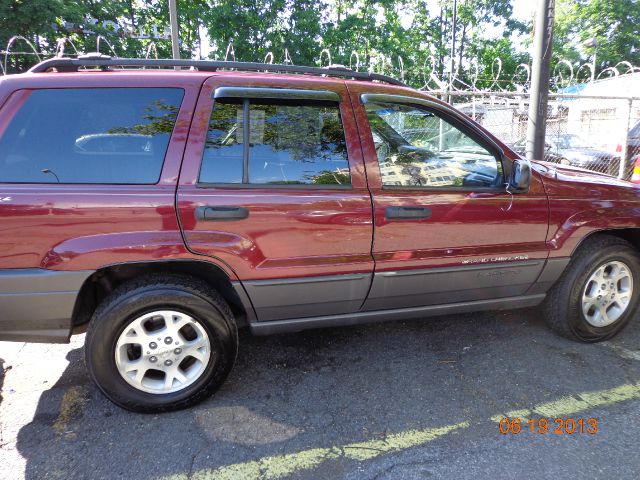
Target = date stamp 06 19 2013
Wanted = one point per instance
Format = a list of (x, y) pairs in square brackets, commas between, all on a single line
[(554, 426)]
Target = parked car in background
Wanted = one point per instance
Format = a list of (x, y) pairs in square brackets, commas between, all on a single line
[(635, 172), (633, 151), (520, 147), (571, 149)]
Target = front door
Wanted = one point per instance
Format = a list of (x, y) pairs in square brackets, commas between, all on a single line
[(446, 228), (273, 186)]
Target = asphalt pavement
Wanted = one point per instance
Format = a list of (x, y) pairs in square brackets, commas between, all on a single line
[(398, 400)]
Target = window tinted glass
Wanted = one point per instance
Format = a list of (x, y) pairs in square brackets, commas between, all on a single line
[(100, 135), (417, 148), (222, 158), (288, 145), (297, 145)]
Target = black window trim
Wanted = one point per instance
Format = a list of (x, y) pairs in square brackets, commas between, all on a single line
[(460, 121), (264, 93), (247, 94)]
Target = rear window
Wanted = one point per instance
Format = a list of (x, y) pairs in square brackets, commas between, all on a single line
[(97, 135)]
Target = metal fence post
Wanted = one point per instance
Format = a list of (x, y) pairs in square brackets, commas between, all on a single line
[(625, 142)]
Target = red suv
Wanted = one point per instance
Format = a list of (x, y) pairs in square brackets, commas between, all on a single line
[(161, 209)]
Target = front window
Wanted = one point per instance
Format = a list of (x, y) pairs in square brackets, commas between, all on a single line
[(418, 148)]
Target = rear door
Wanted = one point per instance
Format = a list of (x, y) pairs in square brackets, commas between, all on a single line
[(446, 228), (273, 185)]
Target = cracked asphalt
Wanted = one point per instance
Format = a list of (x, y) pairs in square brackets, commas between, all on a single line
[(331, 389)]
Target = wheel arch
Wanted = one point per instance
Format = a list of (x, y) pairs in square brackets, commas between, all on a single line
[(104, 280), (557, 265), (630, 234)]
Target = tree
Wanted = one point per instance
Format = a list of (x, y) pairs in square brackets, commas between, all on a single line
[(613, 25), (32, 20), (380, 31), (472, 41), (251, 25), (28, 18)]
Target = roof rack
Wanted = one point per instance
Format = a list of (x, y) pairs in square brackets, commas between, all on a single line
[(65, 64)]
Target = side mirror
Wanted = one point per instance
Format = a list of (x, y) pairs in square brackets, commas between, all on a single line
[(520, 177)]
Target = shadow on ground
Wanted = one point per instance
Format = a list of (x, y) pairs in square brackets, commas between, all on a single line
[(318, 389), (2, 374)]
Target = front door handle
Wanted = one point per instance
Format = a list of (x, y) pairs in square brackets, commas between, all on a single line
[(407, 213), (216, 214)]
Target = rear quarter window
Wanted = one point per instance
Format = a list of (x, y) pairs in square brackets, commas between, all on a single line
[(96, 135)]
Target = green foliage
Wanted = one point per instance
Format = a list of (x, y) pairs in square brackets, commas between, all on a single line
[(614, 24), (380, 31), (160, 118), (331, 178), (487, 51), (257, 27), (28, 17)]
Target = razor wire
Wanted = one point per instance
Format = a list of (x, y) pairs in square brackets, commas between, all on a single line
[(467, 76)]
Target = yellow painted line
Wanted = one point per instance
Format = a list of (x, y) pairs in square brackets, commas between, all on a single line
[(521, 414), (280, 466), (580, 402), (72, 404), (621, 351)]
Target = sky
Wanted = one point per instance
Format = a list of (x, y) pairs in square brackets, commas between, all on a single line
[(524, 9)]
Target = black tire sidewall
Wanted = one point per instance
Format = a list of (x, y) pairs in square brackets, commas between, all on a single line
[(100, 346), (586, 266)]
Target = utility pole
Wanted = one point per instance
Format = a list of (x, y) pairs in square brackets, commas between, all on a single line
[(539, 95), (453, 47), (592, 43), (175, 37)]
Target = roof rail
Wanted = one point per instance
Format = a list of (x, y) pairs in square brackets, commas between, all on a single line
[(65, 64)]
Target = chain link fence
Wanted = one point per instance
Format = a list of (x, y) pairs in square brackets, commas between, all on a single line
[(596, 132)]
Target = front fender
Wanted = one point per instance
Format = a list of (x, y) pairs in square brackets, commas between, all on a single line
[(569, 228)]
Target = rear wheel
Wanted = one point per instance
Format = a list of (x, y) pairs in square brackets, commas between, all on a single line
[(598, 294), (161, 343)]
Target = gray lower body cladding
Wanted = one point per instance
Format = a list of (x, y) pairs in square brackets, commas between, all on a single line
[(295, 325), (36, 305), (307, 296), (298, 304)]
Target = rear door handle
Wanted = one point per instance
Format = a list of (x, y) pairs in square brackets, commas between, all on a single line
[(216, 214), (407, 213)]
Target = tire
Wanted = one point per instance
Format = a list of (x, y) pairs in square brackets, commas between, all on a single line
[(577, 291), (164, 319)]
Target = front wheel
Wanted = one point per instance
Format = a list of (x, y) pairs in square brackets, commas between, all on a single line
[(161, 343), (598, 294)]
